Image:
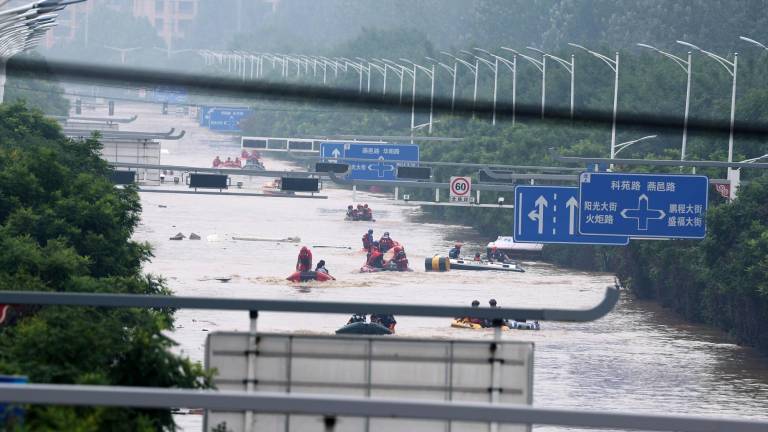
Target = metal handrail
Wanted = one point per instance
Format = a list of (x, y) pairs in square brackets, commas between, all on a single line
[(217, 303), (332, 406), (657, 162)]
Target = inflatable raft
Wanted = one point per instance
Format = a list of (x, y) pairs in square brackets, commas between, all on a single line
[(462, 264), (512, 324), (365, 328), (310, 276)]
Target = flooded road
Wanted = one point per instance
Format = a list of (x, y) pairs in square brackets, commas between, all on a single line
[(637, 358)]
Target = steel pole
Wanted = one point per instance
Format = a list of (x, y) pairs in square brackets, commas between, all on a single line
[(453, 92), (495, 90), (514, 88), (402, 77), (413, 101), (733, 112), (2, 79), (474, 98), (384, 87), (615, 106), (543, 84), (687, 104), (432, 100), (573, 74), (369, 78)]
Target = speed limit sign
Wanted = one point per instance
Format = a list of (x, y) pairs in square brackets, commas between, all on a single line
[(461, 188)]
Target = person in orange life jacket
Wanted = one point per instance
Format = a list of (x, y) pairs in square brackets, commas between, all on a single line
[(455, 251), (386, 243), (304, 263), (400, 259), (244, 154), (255, 154), (375, 258), (477, 257), (217, 162), (367, 239), (237, 162), (367, 211), (387, 321)]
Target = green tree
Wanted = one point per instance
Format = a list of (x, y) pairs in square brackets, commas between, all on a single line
[(64, 227)]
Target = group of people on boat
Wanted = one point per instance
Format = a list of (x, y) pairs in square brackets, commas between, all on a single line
[(376, 251), (251, 159), (360, 213), (304, 269), (493, 254), (498, 322), (387, 321)]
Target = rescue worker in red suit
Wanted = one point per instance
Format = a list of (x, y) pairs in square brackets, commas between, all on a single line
[(400, 259), (375, 257), (217, 162), (473, 320), (368, 239), (367, 212), (244, 155), (386, 243), (304, 263)]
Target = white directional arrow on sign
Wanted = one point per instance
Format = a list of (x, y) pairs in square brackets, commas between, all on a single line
[(643, 213), (572, 205), (336, 153), (538, 214)]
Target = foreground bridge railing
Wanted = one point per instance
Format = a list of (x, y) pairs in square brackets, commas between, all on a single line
[(332, 406)]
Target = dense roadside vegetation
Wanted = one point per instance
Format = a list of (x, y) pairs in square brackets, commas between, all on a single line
[(64, 227), (720, 280)]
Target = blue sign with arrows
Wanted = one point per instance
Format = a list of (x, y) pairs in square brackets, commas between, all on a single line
[(550, 214), (379, 153), (225, 119), (643, 205)]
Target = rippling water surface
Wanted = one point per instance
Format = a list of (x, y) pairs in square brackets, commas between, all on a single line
[(637, 358)]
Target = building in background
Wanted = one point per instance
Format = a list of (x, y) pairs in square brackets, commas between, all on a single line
[(172, 19)]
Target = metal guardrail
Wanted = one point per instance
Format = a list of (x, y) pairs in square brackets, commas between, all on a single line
[(229, 171), (243, 304), (126, 135), (97, 119), (332, 406), (657, 162)]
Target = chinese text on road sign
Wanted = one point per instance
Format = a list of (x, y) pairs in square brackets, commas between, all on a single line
[(643, 205), (461, 189)]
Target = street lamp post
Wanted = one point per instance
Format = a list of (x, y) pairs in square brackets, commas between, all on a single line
[(622, 146), (686, 66), (473, 69), (614, 65), (732, 68), (494, 66), (122, 51), (569, 66), (541, 65), (453, 71), (430, 72), (512, 66), (399, 70)]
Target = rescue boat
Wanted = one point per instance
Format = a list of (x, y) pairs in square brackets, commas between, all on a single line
[(367, 328), (462, 264), (310, 276)]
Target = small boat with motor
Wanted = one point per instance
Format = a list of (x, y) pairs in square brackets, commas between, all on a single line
[(462, 264), (310, 276), (254, 165), (366, 328), (508, 325), (513, 249)]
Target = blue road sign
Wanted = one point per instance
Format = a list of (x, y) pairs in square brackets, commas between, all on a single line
[(550, 214), (226, 119), (176, 95), (643, 205), (378, 168)]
